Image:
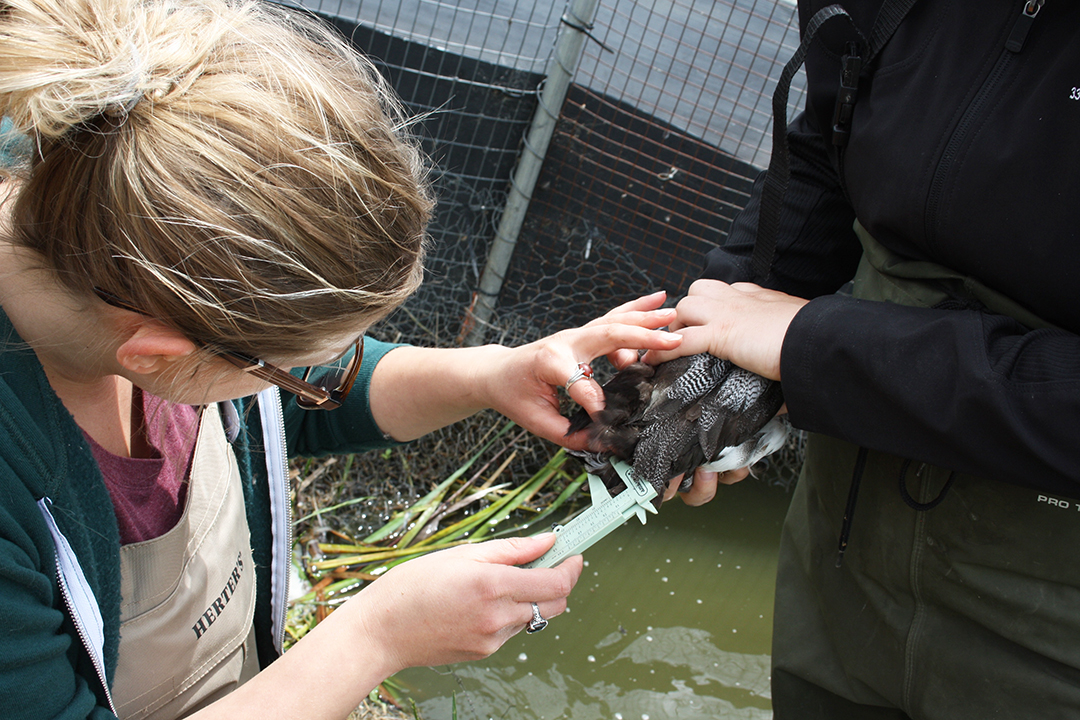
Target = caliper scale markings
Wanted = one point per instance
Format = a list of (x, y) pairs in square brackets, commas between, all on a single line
[(605, 514)]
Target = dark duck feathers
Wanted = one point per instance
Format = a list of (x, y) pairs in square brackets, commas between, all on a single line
[(672, 418)]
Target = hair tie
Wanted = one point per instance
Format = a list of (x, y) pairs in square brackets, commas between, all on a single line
[(133, 91)]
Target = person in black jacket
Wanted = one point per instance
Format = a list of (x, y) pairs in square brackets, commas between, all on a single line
[(926, 567)]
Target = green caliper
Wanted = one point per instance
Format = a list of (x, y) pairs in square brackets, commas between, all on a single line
[(606, 513)]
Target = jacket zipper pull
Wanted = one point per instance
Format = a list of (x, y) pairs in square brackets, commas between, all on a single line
[(1023, 24)]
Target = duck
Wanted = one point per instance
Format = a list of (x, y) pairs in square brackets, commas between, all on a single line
[(669, 419)]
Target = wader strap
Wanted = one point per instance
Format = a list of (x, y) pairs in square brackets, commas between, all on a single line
[(852, 498), (890, 15)]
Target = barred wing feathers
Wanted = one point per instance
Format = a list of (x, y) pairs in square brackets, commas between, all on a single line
[(688, 412)]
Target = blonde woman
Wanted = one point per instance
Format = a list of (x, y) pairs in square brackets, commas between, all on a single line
[(206, 195)]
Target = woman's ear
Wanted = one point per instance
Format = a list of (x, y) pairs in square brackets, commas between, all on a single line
[(153, 347)]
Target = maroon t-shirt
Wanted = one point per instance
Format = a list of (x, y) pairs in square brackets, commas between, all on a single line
[(148, 493)]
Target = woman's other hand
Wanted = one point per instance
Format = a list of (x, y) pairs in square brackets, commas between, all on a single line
[(524, 387), (416, 390), (462, 603), (452, 605)]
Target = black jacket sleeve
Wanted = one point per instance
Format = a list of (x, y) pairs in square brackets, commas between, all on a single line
[(964, 389)]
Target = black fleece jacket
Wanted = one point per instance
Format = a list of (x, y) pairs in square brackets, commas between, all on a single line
[(966, 153)]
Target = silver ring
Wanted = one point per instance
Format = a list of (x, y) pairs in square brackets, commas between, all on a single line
[(537, 623), (583, 371)]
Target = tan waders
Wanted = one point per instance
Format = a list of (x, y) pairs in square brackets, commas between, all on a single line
[(186, 634)]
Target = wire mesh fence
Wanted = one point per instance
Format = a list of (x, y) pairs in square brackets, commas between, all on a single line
[(656, 149), (664, 127)]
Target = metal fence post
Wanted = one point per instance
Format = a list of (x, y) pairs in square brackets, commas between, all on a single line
[(576, 23)]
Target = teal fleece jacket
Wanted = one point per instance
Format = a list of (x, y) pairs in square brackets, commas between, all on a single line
[(45, 670)]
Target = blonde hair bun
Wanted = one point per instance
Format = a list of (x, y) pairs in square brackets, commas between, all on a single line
[(231, 167), (62, 63)]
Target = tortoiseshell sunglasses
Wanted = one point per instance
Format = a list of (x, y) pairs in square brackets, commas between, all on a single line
[(328, 394)]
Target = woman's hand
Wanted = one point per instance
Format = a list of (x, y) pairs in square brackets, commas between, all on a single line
[(452, 605), (416, 390), (743, 323), (524, 386), (462, 603)]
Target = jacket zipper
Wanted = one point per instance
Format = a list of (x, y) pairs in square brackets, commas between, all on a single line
[(1020, 29), (277, 470), (80, 627), (69, 577)]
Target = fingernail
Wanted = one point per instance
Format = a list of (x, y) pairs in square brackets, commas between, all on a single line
[(672, 336)]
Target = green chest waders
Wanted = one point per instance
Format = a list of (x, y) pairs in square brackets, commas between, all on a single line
[(966, 608)]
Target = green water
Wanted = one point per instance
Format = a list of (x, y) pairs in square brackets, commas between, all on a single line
[(669, 620)]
